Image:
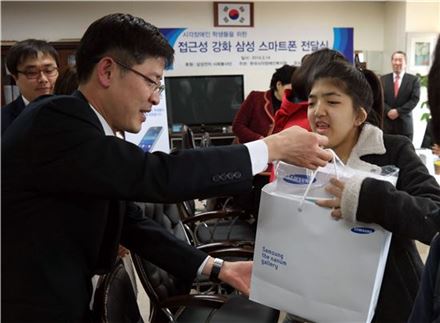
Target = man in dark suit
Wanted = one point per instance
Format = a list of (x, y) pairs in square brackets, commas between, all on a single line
[(33, 64), (401, 94), (66, 179)]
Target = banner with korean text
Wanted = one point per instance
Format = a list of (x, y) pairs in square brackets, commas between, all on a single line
[(199, 49)]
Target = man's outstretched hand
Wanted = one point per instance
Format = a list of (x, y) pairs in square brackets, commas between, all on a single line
[(299, 147)]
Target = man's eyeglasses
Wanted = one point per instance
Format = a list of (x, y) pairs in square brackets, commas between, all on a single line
[(156, 87), (35, 73)]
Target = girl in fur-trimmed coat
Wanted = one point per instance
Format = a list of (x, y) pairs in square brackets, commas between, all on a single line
[(340, 103)]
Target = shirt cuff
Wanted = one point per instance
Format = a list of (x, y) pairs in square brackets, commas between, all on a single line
[(259, 155), (199, 271)]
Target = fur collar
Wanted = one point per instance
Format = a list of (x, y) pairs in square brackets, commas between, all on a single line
[(370, 142)]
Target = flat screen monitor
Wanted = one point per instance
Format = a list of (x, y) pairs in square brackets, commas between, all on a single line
[(203, 100)]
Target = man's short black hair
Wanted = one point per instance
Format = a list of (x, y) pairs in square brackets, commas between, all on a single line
[(125, 37), (398, 52), (28, 48)]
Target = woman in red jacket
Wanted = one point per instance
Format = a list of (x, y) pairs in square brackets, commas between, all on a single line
[(255, 119)]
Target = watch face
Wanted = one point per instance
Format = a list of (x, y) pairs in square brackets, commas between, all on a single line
[(218, 261)]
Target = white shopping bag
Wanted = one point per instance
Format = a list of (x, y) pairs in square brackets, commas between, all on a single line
[(293, 179), (310, 265)]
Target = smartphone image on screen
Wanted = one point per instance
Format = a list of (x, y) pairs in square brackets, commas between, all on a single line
[(150, 138)]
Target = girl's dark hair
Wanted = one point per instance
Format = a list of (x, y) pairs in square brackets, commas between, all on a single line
[(363, 87), (375, 116), (67, 81), (283, 75), (28, 48), (303, 77), (434, 93), (129, 39)]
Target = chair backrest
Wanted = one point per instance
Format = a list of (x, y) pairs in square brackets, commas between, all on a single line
[(162, 286), (115, 301), (188, 141), (205, 140), (168, 216), (159, 284)]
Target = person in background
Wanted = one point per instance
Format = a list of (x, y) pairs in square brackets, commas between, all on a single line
[(67, 81), (401, 94), (33, 64), (255, 119), (428, 140), (427, 304), (340, 101), (434, 93), (67, 180)]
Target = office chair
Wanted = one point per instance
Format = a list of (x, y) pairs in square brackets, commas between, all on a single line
[(188, 141), (232, 225), (170, 298), (115, 300), (169, 217)]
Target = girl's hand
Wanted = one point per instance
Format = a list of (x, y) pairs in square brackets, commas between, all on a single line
[(335, 187)]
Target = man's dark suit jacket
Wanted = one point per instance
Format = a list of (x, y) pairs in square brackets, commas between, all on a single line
[(427, 304), (64, 187), (405, 102), (11, 111)]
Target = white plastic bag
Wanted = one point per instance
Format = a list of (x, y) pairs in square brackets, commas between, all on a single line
[(310, 265), (294, 180)]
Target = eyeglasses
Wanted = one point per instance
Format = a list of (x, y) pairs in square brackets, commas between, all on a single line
[(156, 87), (35, 73)]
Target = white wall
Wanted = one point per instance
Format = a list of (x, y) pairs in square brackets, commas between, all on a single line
[(394, 32), (380, 27), (60, 20), (423, 16)]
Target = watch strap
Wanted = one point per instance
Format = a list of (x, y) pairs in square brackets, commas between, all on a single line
[(215, 271)]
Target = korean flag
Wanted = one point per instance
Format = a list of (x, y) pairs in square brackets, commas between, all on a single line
[(231, 14)]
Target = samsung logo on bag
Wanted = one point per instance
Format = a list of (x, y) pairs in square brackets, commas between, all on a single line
[(297, 179), (362, 230)]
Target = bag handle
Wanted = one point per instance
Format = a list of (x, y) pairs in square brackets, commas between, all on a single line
[(335, 160)]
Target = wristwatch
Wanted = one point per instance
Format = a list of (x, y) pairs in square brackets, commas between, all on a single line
[(216, 267)]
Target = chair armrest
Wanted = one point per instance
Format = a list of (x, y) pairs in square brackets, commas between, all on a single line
[(202, 300), (204, 216), (214, 246), (232, 252)]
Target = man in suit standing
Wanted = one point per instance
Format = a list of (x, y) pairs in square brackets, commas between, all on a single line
[(33, 64), (67, 179), (401, 94)]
